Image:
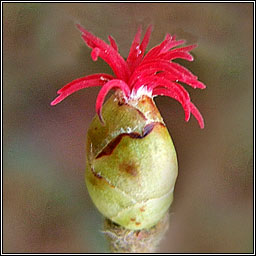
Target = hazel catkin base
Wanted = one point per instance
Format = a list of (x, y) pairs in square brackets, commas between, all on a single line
[(123, 240)]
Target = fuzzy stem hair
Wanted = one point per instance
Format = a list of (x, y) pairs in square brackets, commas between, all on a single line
[(122, 240)]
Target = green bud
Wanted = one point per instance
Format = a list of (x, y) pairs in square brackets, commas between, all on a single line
[(131, 163)]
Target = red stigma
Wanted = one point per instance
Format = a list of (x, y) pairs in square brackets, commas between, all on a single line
[(155, 71)]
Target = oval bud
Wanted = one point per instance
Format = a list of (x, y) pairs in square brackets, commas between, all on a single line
[(131, 163)]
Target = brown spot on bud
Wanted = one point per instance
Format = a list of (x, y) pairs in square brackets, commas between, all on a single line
[(129, 168), (137, 233), (142, 209), (120, 97), (137, 223), (132, 219), (143, 101)]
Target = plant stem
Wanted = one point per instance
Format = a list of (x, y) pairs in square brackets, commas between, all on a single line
[(123, 240)]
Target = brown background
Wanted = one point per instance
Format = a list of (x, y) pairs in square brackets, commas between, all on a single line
[(46, 204)]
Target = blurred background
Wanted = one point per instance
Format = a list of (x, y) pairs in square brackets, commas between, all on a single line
[(46, 207)]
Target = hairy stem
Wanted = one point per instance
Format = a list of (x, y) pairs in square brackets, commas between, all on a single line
[(123, 240)]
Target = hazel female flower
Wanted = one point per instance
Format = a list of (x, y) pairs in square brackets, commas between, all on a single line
[(131, 160), (153, 74)]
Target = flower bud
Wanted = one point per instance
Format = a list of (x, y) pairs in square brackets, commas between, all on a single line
[(131, 163)]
